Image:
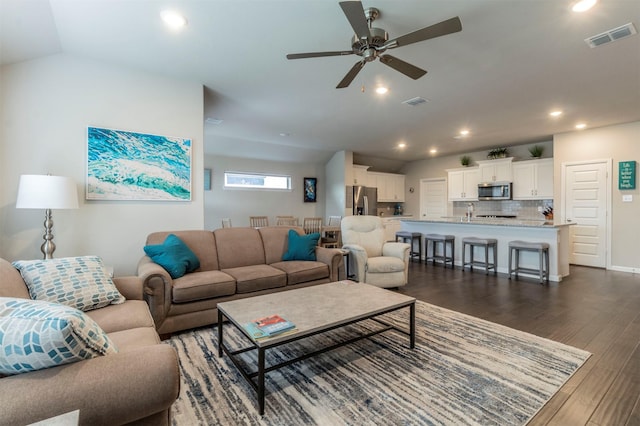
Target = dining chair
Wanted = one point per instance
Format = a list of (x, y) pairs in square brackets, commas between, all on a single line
[(286, 221), (226, 222), (314, 224), (258, 221)]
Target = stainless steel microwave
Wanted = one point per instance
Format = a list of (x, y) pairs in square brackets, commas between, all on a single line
[(494, 191)]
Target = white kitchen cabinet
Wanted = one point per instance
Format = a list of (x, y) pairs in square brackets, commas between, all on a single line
[(533, 180), (496, 170), (390, 186), (360, 175), (462, 184)]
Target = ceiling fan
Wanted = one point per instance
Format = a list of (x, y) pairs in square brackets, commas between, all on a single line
[(369, 42)]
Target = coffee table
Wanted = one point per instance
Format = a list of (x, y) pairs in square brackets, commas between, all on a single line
[(314, 310)]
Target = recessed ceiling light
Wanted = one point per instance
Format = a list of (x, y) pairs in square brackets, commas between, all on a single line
[(433, 151), (173, 20), (381, 90), (581, 126), (402, 145), (464, 132), (583, 5), (556, 113)]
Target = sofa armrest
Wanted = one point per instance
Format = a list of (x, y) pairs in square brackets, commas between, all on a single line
[(358, 258), (129, 287), (157, 285), (113, 389), (331, 257)]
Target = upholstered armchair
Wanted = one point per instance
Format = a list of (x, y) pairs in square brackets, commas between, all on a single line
[(372, 260)]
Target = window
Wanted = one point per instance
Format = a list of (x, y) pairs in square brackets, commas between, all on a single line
[(256, 181)]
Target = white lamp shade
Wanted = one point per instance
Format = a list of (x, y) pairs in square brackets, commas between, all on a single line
[(47, 192)]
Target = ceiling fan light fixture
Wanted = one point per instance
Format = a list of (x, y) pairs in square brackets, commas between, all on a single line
[(173, 20), (583, 5)]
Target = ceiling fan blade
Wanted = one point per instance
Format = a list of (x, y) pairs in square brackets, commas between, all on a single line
[(449, 26), (318, 54), (346, 81), (402, 66), (354, 12)]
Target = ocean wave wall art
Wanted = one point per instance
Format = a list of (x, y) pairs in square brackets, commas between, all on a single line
[(124, 165)]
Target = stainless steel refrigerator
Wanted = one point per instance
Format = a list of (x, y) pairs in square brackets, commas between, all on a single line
[(362, 200)]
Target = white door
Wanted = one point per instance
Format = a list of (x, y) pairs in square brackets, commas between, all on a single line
[(585, 203), (433, 198)]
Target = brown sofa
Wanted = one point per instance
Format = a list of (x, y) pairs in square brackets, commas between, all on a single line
[(135, 386), (234, 263)]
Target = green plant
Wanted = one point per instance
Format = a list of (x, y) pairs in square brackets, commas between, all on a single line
[(497, 153), (465, 160), (536, 151)]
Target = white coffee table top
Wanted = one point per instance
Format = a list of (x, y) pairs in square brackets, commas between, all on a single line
[(315, 308)]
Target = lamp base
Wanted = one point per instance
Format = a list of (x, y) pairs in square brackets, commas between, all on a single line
[(48, 247)]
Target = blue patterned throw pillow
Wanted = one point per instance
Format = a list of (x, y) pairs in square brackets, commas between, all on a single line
[(35, 335), (79, 282), (174, 256), (301, 247)]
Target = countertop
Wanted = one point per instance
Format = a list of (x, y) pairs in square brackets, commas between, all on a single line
[(528, 223)]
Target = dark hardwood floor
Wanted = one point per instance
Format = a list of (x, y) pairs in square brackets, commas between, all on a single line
[(592, 309)]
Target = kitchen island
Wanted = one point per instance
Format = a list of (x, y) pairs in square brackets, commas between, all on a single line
[(503, 230)]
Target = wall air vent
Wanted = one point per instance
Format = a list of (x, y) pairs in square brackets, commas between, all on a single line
[(214, 121), (611, 35), (415, 101)]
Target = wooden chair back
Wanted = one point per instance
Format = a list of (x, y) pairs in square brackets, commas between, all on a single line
[(226, 222), (258, 221)]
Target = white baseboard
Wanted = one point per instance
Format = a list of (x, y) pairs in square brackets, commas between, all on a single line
[(631, 270)]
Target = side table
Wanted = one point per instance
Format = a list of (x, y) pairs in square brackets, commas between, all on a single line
[(346, 254)]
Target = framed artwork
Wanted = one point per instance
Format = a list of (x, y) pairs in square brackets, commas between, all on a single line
[(123, 165), (207, 179), (310, 186)]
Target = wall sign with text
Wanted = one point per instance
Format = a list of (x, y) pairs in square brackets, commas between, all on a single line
[(627, 175)]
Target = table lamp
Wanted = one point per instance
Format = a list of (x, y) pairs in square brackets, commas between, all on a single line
[(47, 192)]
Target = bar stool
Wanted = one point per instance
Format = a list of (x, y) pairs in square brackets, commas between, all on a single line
[(410, 238), (480, 242), (435, 239), (543, 253)]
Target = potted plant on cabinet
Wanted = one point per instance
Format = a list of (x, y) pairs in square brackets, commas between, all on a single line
[(465, 160), (536, 151), (497, 153)]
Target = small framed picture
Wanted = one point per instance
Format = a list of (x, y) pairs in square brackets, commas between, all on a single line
[(310, 189)]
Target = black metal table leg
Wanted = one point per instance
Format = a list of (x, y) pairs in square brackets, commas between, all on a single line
[(219, 334), (261, 380), (412, 325)]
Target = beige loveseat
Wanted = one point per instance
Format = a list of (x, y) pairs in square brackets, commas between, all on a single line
[(234, 263), (135, 386)]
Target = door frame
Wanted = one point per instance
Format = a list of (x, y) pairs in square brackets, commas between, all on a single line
[(608, 162), (424, 181)]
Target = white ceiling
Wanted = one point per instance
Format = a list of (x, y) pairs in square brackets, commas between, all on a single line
[(511, 64)]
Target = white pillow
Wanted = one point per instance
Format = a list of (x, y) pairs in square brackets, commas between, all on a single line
[(36, 335), (79, 282)]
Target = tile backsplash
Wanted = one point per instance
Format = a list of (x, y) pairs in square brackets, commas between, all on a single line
[(523, 209)]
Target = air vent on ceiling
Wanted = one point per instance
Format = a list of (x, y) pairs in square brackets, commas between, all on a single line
[(611, 35), (415, 101)]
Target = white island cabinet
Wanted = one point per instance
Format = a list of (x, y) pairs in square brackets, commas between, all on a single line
[(557, 235)]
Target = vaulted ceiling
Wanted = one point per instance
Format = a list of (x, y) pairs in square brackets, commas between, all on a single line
[(512, 63)]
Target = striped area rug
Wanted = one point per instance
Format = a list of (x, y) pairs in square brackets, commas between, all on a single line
[(463, 371)]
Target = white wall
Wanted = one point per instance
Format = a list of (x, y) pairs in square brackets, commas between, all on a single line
[(336, 184), (620, 143), (47, 105), (238, 205)]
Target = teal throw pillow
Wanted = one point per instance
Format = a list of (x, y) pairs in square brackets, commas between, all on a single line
[(36, 334), (301, 247), (80, 282), (174, 256)]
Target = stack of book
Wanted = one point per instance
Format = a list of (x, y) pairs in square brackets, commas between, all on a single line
[(268, 326)]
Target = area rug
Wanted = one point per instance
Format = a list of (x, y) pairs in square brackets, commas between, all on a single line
[(463, 371)]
